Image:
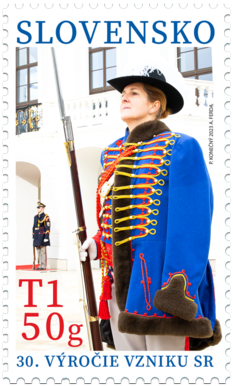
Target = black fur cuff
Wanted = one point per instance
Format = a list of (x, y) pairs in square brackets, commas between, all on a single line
[(173, 301), (201, 344), (141, 325)]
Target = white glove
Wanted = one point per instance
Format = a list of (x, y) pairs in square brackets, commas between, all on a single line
[(46, 240), (89, 244)]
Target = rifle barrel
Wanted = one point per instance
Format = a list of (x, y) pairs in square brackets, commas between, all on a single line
[(61, 103), (87, 273)]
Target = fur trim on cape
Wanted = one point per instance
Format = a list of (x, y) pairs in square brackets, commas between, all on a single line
[(122, 254), (141, 325), (201, 344), (173, 301)]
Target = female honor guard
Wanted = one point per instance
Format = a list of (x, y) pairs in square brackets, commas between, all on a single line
[(154, 211), (41, 235)]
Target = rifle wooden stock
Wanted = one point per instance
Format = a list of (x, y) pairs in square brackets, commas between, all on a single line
[(87, 273)]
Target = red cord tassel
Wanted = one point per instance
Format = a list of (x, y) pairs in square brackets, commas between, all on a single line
[(107, 290), (103, 310)]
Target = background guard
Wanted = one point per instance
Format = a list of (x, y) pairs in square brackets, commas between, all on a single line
[(41, 235)]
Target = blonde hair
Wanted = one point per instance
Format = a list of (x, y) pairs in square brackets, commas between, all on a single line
[(155, 94)]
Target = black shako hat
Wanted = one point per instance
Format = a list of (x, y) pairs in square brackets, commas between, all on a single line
[(155, 78), (39, 204)]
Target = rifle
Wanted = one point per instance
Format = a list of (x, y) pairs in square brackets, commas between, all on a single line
[(34, 257), (87, 273)]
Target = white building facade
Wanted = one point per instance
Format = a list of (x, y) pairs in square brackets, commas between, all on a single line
[(42, 170)]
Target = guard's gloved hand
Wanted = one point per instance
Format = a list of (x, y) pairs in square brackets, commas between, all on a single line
[(89, 244), (46, 240)]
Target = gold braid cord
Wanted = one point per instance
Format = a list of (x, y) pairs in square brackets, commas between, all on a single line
[(104, 264)]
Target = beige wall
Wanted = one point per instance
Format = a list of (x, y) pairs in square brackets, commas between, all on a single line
[(26, 198), (88, 160)]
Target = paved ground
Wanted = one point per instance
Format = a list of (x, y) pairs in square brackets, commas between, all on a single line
[(68, 296)]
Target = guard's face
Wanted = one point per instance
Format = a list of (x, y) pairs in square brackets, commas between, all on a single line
[(39, 210), (135, 105)]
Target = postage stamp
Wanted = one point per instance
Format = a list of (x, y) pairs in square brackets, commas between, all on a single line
[(115, 194)]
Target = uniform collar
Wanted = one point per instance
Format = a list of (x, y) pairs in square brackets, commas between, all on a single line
[(146, 131)]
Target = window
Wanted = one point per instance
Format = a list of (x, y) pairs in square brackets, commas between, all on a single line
[(26, 77), (102, 66), (195, 63), (28, 110)]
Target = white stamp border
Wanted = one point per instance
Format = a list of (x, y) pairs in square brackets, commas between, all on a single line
[(11, 374)]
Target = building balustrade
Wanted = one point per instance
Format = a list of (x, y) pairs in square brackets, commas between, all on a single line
[(98, 108), (200, 93), (104, 108)]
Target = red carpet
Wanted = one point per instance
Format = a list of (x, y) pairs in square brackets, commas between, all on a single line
[(26, 266), (29, 268)]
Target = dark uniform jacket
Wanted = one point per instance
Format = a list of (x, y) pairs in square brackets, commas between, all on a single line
[(41, 230)]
